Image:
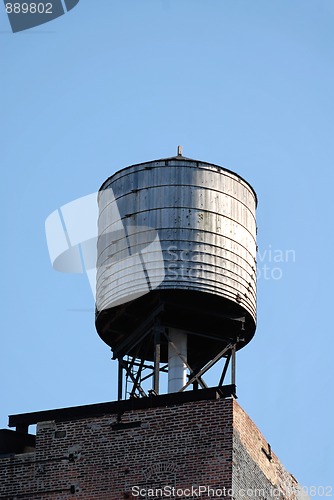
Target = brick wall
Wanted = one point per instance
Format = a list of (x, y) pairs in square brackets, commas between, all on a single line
[(198, 443), (255, 466)]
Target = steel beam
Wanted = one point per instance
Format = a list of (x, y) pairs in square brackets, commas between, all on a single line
[(156, 368), (206, 367)]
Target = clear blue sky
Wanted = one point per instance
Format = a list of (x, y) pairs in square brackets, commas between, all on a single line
[(247, 84)]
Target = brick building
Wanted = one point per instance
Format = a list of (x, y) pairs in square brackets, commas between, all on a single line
[(201, 443)]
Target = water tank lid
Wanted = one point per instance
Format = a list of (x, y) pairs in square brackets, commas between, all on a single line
[(181, 158)]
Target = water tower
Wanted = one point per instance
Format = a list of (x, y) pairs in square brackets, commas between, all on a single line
[(175, 294), (176, 271)]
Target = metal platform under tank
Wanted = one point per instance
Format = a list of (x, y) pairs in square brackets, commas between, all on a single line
[(211, 322)]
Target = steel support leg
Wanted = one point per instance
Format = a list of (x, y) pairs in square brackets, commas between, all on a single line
[(156, 369)]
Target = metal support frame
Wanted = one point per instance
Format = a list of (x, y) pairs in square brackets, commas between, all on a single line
[(135, 379), (230, 356), (137, 370), (135, 375), (197, 376)]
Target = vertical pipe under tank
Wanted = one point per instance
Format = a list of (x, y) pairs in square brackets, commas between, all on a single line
[(177, 355)]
